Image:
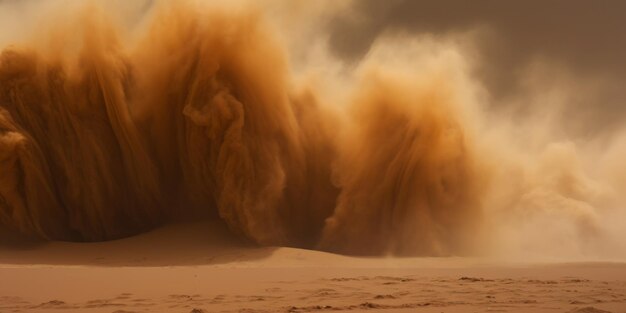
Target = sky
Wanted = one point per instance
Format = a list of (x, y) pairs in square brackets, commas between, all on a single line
[(584, 38)]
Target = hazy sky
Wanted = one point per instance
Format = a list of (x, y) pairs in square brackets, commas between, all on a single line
[(587, 38)]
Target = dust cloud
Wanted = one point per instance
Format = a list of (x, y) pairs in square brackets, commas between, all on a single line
[(118, 118)]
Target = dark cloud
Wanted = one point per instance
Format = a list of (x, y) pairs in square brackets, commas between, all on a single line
[(590, 33), (586, 37)]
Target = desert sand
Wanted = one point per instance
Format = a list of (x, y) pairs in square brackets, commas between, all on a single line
[(207, 270)]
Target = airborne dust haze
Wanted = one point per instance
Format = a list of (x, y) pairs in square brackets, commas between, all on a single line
[(117, 117)]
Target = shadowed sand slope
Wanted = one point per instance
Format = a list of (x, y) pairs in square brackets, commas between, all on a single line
[(179, 244)]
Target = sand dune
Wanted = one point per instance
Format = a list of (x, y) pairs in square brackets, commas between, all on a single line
[(187, 267)]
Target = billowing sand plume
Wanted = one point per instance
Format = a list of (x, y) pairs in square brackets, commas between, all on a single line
[(196, 113), (213, 132), (407, 180), (55, 118)]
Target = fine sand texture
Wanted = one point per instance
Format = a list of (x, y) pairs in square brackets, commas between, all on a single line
[(199, 268)]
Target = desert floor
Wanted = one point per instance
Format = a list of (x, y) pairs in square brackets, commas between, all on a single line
[(198, 268)]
